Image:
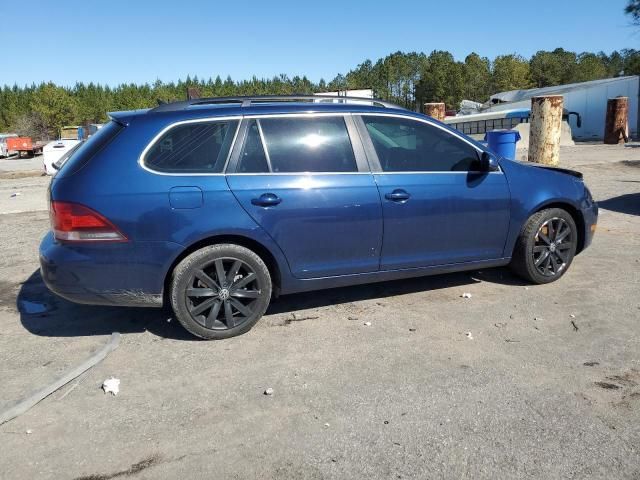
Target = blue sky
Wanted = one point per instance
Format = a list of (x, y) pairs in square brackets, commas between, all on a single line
[(117, 41)]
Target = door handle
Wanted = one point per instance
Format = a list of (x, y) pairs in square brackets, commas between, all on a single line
[(266, 200), (398, 195)]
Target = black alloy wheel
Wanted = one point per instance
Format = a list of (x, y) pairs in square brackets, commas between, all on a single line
[(546, 246), (220, 291), (222, 295), (553, 243)]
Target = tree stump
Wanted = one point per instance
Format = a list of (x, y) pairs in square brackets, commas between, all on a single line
[(545, 129), (616, 126), (193, 93), (435, 110)]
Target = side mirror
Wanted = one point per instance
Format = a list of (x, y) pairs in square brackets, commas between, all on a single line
[(488, 162)]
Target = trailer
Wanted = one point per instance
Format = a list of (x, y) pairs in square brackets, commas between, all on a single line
[(24, 146)]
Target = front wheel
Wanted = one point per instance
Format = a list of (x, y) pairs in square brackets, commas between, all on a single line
[(546, 246), (220, 291)]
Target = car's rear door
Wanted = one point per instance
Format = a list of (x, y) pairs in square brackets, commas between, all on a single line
[(304, 179), (438, 208)]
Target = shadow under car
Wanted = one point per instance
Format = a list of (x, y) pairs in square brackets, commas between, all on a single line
[(45, 314)]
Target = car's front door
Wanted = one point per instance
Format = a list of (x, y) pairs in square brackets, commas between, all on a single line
[(301, 179), (438, 208)]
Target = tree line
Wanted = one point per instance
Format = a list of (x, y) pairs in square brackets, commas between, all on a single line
[(408, 79)]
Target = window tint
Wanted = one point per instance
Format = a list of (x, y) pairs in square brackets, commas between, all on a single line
[(405, 145), (192, 148), (252, 156), (308, 144)]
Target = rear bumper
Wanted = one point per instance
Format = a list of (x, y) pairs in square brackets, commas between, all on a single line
[(124, 274)]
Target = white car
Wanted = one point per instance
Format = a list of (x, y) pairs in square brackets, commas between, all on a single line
[(54, 151)]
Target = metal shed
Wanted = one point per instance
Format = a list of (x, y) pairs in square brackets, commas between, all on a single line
[(589, 99)]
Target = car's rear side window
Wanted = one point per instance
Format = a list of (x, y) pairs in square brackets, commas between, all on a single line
[(297, 145), (200, 147), (405, 145)]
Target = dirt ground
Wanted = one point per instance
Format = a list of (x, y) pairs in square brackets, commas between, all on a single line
[(517, 381)]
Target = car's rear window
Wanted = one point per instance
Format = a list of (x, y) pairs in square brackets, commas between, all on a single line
[(85, 151)]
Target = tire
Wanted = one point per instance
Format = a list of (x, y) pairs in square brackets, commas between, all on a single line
[(202, 302), (545, 249)]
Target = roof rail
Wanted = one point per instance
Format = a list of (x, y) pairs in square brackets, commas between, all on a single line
[(252, 100)]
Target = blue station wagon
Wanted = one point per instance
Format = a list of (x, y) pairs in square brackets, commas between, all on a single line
[(213, 206)]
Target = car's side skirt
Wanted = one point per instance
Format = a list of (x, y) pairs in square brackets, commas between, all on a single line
[(296, 286)]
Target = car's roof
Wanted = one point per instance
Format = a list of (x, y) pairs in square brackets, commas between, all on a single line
[(184, 111)]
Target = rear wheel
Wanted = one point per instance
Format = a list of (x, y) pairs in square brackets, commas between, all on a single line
[(546, 246), (220, 291)]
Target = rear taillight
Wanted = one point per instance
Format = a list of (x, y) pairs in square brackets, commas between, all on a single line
[(76, 223)]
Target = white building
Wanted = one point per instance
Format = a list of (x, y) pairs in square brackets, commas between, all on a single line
[(589, 99), (365, 93)]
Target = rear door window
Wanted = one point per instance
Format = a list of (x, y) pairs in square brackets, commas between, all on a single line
[(200, 147), (298, 145)]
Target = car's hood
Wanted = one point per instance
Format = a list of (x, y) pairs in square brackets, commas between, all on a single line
[(567, 171)]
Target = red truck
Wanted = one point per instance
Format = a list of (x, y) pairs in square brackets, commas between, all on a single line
[(24, 146)]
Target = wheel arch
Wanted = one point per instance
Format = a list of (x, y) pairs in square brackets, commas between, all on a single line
[(575, 213), (263, 252)]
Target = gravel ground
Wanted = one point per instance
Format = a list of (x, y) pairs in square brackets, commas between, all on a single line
[(22, 185), (547, 384), (22, 164)]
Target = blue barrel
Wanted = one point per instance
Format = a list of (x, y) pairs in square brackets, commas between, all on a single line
[(503, 142)]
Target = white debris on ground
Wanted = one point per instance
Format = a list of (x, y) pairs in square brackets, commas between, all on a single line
[(111, 385), (466, 295), (469, 336), (268, 391)]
